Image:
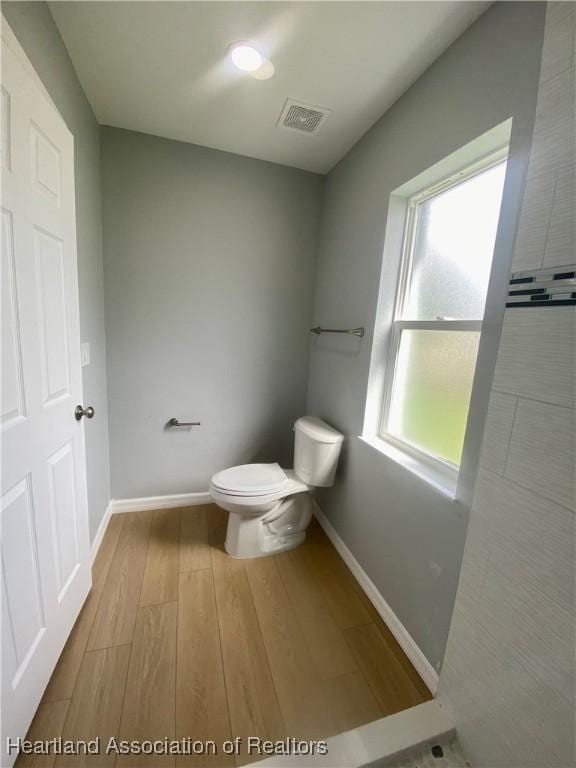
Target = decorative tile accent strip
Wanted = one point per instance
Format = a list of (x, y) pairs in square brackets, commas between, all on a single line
[(543, 288)]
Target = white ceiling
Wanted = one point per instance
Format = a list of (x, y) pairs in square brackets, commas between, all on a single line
[(161, 67)]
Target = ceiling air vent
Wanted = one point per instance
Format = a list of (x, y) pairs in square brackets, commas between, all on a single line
[(303, 118)]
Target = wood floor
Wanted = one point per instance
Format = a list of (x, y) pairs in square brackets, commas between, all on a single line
[(177, 639)]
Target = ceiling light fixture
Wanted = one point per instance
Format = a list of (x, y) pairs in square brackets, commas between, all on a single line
[(245, 57)]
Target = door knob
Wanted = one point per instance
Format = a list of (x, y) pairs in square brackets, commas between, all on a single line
[(80, 411)]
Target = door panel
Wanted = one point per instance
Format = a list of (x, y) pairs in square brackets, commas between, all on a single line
[(5, 153), (44, 518), (20, 565), (64, 515), (52, 315), (46, 165), (12, 387)]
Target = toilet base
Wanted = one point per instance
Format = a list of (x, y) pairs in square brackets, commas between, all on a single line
[(280, 529)]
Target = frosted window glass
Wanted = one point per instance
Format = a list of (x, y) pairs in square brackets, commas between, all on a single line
[(453, 249), (431, 390)]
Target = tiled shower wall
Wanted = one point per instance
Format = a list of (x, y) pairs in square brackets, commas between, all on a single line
[(508, 673)]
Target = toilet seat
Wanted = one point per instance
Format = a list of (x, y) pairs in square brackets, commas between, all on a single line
[(250, 479), (254, 486)]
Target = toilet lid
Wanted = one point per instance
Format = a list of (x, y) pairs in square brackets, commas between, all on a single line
[(250, 479)]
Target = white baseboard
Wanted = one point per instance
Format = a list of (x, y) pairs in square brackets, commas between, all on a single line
[(100, 533), (404, 638), (160, 502)]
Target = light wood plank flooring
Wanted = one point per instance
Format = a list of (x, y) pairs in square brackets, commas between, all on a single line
[(176, 639)]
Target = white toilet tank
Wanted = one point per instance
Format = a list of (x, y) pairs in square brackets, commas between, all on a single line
[(316, 450)]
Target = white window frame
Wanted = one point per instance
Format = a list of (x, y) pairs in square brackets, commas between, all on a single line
[(443, 468)]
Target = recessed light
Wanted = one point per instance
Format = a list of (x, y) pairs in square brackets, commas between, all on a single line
[(245, 57)]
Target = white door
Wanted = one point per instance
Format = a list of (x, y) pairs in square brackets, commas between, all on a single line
[(44, 535)]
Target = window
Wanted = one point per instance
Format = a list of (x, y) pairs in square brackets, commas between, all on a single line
[(449, 239)]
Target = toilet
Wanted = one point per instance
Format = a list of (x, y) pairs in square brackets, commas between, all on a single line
[(270, 507)]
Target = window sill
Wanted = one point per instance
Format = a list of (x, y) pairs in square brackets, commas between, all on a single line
[(442, 482)]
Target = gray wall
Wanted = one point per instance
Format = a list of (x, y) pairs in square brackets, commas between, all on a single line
[(34, 27), (210, 261), (508, 676), (407, 536)]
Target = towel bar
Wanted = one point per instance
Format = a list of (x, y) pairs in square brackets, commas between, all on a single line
[(350, 331)]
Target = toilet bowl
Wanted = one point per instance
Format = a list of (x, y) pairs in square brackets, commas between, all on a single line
[(270, 507)]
